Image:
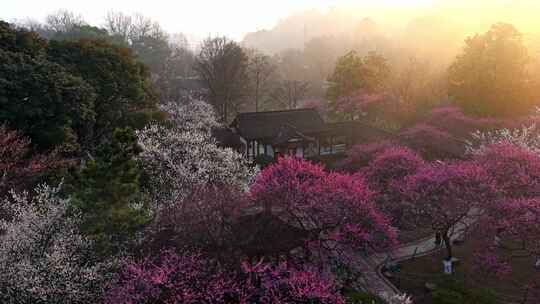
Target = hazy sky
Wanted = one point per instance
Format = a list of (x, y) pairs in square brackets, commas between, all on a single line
[(237, 17), (199, 17)]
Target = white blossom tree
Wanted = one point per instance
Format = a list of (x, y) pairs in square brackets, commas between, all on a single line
[(185, 155), (527, 137), (193, 115), (43, 258), (397, 299)]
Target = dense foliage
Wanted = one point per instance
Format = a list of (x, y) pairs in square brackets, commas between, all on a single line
[(45, 101), (70, 94), (124, 96)]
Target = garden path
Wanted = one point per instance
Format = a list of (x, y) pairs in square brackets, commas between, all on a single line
[(371, 266)]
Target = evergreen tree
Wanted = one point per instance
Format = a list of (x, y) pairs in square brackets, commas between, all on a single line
[(106, 192)]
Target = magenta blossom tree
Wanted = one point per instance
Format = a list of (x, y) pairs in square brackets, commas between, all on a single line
[(173, 278), (282, 284), (191, 278), (515, 169), (432, 143), (512, 231), (333, 208), (452, 120), (387, 167), (511, 225), (518, 221), (359, 156), (447, 197), (390, 165)]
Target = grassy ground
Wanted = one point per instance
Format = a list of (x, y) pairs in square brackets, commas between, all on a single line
[(415, 273)]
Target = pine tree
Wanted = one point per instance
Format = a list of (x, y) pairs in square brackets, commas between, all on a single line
[(106, 190)]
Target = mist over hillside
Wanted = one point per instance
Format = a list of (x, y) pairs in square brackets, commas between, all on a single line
[(435, 34)]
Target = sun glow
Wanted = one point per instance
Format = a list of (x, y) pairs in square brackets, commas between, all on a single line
[(235, 18)]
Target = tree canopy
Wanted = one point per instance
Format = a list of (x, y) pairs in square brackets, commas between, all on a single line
[(490, 77), (70, 94)]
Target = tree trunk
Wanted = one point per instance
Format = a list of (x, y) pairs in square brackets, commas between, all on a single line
[(257, 95), (447, 244)]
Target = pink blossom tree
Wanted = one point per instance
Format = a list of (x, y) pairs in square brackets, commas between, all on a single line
[(452, 120), (519, 222), (334, 208), (193, 278), (283, 284), (445, 196), (204, 219), (511, 225), (173, 278), (18, 168), (512, 231), (432, 143), (391, 166), (359, 156), (515, 169)]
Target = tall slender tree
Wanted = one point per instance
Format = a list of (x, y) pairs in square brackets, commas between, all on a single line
[(222, 65)]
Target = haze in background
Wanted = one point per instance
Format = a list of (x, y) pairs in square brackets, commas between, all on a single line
[(429, 27), (236, 18)]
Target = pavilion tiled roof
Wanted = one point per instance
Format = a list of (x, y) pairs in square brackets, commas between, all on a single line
[(227, 138), (267, 125), (287, 133)]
